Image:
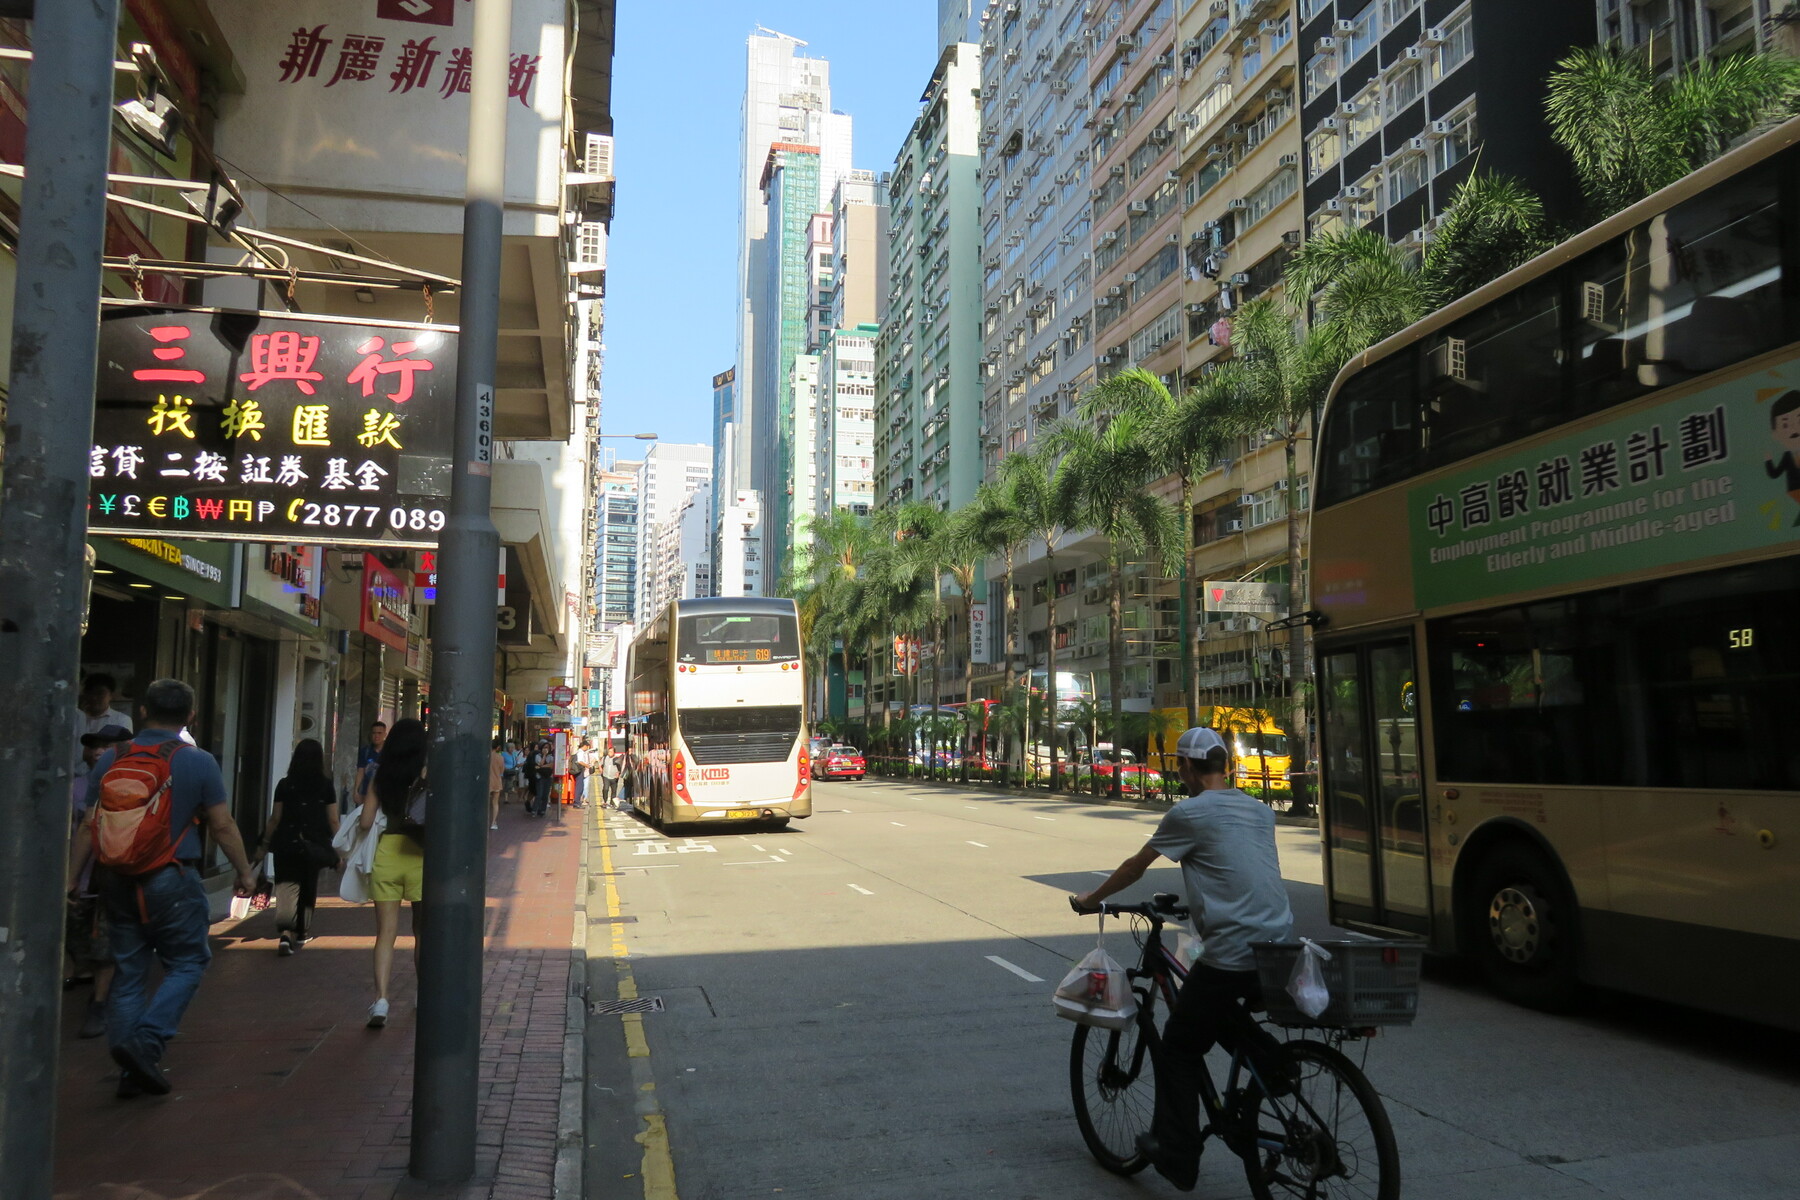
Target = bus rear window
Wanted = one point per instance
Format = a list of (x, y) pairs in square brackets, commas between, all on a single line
[(737, 638)]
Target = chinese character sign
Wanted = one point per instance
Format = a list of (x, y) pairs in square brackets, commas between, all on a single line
[(270, 427), (1676, 482)]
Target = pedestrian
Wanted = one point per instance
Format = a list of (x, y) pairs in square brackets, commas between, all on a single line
[(300, 832), (581, 763), (496, 777), (152, 890), (371, 751), (87, 933), (609, 778), (94, 711), (530, 770), (510, 784), (546, 775), (399, 871)]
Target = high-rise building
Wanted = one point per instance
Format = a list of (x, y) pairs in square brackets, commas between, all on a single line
[(738, 564), (1676, 32), (846, 422), (787, 101), (859, 260), (958, 21), (617, 551), (669, 474), (724, 386), (928, 353), (680, 566)]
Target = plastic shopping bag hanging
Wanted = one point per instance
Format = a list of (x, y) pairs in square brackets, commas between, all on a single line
[(1097, 991), (1307, 984)]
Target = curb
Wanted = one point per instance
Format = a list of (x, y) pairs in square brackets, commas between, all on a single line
[(570, 1126), (1065, 797)]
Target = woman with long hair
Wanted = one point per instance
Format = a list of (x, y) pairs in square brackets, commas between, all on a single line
[(399, 871), (304, 821)]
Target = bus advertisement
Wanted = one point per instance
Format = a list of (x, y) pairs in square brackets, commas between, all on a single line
[(717, 714), (1556, 545)]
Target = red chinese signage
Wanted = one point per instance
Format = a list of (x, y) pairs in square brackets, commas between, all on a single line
[(351, 56), (269, 427), (386, 612)]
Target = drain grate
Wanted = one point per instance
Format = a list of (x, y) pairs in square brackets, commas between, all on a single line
[(647, 1004)]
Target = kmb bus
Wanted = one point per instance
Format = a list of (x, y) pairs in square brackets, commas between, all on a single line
[(1556, 540), (717, 716)]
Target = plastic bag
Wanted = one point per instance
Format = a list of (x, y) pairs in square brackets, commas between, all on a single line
[(1307, 983), (1187, 950), (1097, 991)]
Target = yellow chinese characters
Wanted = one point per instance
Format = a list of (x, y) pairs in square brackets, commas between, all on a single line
[(243, 418), (379, 428), (171, 415), (312, 425)]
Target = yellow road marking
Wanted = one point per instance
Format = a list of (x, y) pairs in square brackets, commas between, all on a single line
[(659, 1163)]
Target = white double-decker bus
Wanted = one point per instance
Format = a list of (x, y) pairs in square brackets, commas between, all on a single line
[(717, 713)]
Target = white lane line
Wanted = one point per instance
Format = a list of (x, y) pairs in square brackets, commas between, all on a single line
[(756, 862), (758, 848), (902, 824), (983, 845), (1021, 972), (864, 891), (1102, 874), (782, 850), (1035, 817), (972, 807)]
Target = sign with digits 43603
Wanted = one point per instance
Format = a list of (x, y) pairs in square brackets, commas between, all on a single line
[(257, 426)]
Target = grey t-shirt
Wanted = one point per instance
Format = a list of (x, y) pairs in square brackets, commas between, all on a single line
[(1225, 843)]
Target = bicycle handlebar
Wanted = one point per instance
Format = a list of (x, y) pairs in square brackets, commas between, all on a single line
[(1162, 904)]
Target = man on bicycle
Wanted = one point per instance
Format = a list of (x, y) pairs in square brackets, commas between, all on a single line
[(1225, 843)]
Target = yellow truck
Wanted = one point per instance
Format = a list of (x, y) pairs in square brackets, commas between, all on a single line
[(1258, 745)]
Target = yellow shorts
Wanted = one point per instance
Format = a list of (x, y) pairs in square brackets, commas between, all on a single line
[(399, 871)]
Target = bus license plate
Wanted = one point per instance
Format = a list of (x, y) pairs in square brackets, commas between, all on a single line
[(743, 814)]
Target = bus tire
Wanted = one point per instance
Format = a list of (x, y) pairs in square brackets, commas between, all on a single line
[(1520, 926)]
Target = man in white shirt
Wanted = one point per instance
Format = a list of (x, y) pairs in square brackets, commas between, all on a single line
[(94, 712), (1225, 843)]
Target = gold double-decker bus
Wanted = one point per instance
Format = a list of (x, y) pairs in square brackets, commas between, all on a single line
[(1556, 543)]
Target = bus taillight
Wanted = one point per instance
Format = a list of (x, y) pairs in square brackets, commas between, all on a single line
[(679, 772), (805, 771)]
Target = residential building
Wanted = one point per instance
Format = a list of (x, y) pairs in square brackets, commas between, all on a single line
[(859, 261), (790, 536), (787, 101), (1676, 32), (739, 560), (846, 423), (680, 566), (928, 352), (724, 386), (617, 546), (1401, 99), (669, 474)]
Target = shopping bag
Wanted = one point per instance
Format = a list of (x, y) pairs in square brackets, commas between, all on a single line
[(1097, 991), (1187, 950), (1307, 983)]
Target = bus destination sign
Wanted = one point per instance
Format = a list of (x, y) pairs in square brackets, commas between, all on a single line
[(737, 654), (255, 426)]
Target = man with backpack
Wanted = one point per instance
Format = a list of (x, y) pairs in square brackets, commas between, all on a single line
[(148, 799)]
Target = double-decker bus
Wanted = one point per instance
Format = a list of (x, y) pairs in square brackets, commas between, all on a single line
[(717, 713), (1556, 541)]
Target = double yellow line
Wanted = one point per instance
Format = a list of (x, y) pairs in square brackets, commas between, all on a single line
[(658, 1169)]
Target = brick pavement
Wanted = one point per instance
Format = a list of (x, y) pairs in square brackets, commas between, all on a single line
[(281, 1093)]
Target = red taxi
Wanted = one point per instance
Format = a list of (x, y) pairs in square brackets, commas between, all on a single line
[(838, 762)]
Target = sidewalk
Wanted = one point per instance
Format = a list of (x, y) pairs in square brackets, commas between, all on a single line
[(281, 1093)]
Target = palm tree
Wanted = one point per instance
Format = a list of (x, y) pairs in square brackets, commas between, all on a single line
[(995, 527), (840, 542), (1113, 468), (1629, 134), (1041, 492), (1185, 435), (1275, 384)]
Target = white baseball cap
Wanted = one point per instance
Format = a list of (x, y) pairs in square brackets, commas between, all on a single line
[(1198, 742)]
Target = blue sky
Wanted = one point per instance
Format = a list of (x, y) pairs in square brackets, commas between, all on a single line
[(672, 260)]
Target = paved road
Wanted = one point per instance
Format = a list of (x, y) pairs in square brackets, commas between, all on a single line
[(850, 1013)]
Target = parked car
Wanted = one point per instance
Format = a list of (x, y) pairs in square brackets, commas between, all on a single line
[(1135, 778), (839, 762)]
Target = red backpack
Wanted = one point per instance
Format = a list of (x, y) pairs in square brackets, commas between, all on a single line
[(132, 830)]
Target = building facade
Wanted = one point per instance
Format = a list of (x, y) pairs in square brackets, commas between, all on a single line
[(617, 546), (845, 440), (738, 565), (669, 474)]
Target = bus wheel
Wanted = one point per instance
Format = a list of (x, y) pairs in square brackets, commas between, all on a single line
[(1520, 927)]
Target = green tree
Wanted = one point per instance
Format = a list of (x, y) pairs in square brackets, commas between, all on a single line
[(1629, 133), (1113, 469), (1042, 494), (995, 526)]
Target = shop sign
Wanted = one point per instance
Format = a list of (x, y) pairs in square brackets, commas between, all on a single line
[(248, 426), (978, 633), (562, 696), (204, 570), (536, 710), (288, 578), (513, 621), (386, 613), (425, 578), (1227, 595)]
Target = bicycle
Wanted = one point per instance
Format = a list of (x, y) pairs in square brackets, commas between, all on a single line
[(1328, 1137)]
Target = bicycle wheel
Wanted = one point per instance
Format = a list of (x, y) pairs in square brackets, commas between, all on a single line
[(1331, 1138), (1114, 1086)]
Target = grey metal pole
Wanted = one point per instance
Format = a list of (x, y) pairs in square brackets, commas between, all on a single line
[(448, 1044), (43, 525)]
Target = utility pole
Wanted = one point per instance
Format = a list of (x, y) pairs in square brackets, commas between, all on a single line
[(447, 1049), (43, 529)]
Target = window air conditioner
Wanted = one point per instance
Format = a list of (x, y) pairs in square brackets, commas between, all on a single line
[(1413, 54), (1344, 27), (1222, 75), (1329, 123), (1288, 160), (1241, 279), (1139, 206), (1115, 290), (1436, 35), (1128, 43), (1348, 109), (1171, 176), (1238, 205), (1415, 143), (1131, 277), (1235, 525), (1325, 45), (1336, 206), (1442, 128)]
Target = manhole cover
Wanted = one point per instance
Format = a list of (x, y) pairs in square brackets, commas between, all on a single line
[(646, 1004)]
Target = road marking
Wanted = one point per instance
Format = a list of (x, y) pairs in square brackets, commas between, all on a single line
[(864, 891), (972, 807), (1035, 817), (983, 845), (782, 850), (1102, 874), (899, 823), (756, 862), (758, 848), (1021, 972)]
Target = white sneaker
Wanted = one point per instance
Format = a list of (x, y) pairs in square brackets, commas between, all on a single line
[(378, 1014), (496, 826)]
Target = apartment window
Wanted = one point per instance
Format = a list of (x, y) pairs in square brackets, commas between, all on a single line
[(1459, 143), (1282, 34), (1264, 199), (1041, 265), (1159, 202), (1210, 106), (1312, 8), (1208, 177), (1321, 73), (1367, 118), (1404, 85), (1323, 149), (1455, 49), (1163, 329), (1326, 220), (1109, 248), (1250, 60), (1158, 267), (1362, 37), (1393, 10), (1075, 286), (1405, 176)]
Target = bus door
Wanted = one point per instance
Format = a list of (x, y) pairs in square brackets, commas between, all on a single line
[(1374, 825)]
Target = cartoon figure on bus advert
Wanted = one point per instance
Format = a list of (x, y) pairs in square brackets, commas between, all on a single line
[(1784, 427)]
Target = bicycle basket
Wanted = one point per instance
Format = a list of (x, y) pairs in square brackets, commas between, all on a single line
[(1371, 983)]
